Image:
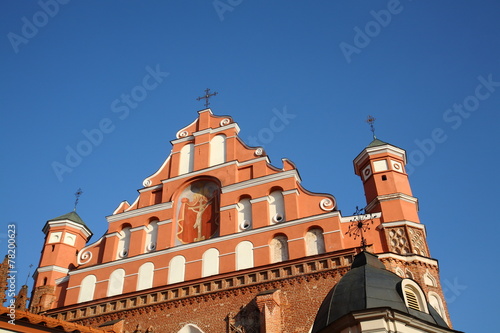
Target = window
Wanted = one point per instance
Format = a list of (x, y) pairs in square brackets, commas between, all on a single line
[(186, 162), (115, 283), (87, 288), (279, 248), (218, 150), (151, 236), (276, 207), (244, 208), (413, 296), (210, 262), (436, 302), (123, 243), (176, 269), (244, 255), (145, 276), (315, 243)]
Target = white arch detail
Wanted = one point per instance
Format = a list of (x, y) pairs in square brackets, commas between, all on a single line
[(115, 282), (210, 262), (218, 149), (244, 255), (176, 269), (87, 288), (145, 276)]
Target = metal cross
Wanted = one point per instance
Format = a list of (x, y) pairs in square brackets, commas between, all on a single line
[(371, 120), (77, 195), (207, 97), (360, 223)]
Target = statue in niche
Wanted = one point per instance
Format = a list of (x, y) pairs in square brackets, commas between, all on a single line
[(198, 212)]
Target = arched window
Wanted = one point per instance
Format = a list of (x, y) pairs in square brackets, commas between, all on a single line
[(190, 328), (413, 296), (145, 276), (123, 243), (115, 283), (210, 262), (244, 208), (276, 207), (87, 288), (186, 162), (244, 255), (176, 269), (429, 279), (436, 302), (151, 236), (218, 150), (315, 243), (279, 248)]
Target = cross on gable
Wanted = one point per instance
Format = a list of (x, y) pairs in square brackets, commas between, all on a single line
[(207, 97)]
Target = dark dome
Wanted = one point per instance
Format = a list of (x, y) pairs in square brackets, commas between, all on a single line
[(367, 285)]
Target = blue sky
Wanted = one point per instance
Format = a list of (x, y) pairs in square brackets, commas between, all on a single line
[(428, 71)]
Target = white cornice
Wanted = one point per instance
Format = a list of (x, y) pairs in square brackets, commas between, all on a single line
[(179, 248), (392, 196), (205, 131), (403, 222), (262, 180), (67, 223), (52, 268), (409, 258), (387, 149), (151, 188), (139, 211), (292, 191)]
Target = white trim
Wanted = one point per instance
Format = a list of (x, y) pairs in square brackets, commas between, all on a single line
[(262, 180), (136, 201), (331, 232), (52, 268), (147, 189), (143, 227), (139, 211), (404, 222), (164, 222), (234, 206), (67, 223), (264, 198), (409, 258), (62, 280), (386, 148), (293, 191), (120, 205)]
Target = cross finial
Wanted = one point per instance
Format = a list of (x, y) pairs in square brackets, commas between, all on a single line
[(371, 120), (77, 195), (207, 97)]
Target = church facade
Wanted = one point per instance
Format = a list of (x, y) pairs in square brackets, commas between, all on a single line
[(219, 240)]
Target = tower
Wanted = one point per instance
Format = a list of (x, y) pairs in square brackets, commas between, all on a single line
[(64, 237), (381, 167)]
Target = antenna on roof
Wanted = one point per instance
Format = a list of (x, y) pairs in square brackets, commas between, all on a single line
[(371, 120), (77, 195)]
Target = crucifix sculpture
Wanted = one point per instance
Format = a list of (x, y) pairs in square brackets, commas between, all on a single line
[(207, 97)]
